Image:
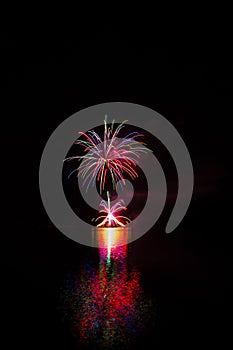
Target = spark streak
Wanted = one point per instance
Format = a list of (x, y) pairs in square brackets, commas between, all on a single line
[(111, 218)]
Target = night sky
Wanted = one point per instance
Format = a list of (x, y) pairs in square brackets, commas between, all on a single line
[(48, 76)]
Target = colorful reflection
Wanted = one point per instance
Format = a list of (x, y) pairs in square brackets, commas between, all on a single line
[(109, 309)]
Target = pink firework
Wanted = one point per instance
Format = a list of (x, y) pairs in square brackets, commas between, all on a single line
[(110, 156), (111, 217)]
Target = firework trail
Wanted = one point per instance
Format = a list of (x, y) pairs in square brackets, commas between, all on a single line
[(111, 218), (110, 156)]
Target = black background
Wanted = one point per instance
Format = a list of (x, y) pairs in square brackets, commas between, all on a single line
[(51, 74)]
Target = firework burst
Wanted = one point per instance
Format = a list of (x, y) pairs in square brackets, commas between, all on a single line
[(108, 157), (111, 217)]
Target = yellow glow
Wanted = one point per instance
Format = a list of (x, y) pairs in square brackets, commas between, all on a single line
[(109, 237)]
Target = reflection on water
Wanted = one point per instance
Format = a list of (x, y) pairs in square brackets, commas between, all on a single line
[(106, 304), (112, 243)]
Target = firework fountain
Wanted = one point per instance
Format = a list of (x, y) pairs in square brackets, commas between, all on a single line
[(107, 304)]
